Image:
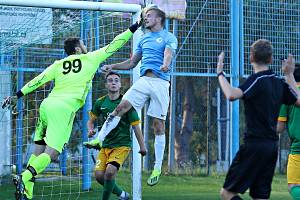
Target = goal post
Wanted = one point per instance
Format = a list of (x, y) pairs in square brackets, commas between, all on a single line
[(134, 9)]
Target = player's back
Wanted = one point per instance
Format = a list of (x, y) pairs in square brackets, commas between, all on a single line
[(73, 76)]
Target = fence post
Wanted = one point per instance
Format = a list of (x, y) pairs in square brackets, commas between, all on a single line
[(234, 62), (19, 125), (86, 177)]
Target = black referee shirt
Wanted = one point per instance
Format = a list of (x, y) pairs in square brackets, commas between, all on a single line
[(263, 94)]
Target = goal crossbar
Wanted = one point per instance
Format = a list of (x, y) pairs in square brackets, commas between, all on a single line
[(83, 5)]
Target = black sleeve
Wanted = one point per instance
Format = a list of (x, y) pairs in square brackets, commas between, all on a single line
[(250, 87), (19, 94), (289, 95), (134, 27)]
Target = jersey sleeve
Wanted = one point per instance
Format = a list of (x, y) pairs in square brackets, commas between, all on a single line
[(289, 96), (138, 49), (96, 111), (283, 114), (47, 75), (172, 42), (133, 117), (102, 54), (250, 87)]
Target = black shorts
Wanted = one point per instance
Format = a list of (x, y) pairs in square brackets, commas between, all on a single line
[(253, 167)]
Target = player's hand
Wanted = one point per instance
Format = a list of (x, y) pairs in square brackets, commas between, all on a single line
[(220, 62), (164, 68), (9, 101), (140, 20), (106, 68), (143, 151), (288, 65), (91, 132)]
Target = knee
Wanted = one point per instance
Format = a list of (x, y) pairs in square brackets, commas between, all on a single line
[(159, 127), (222, 194), (226, 195), (109, 175), (295, 192)]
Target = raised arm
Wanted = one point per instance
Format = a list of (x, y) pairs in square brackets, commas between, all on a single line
[(288, 68), (168, 56), (127, 64), (90, 124), (46, 76), (140, 139), (102, 54), (230, 92)]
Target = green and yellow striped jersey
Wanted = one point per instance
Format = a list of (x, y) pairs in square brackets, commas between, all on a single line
[(291, 115), (119, 136)]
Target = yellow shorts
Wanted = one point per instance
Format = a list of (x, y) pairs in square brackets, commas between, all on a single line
[(107, 155), (293, 169)]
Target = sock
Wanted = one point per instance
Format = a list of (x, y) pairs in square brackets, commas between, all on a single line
[(110, 123), (123, 194), (159, 148), (39, 164), (31, 159), (30, 184), (295, 192), (236, 198), (108, 188), (117, 190)]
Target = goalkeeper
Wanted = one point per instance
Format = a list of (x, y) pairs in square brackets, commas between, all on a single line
[(117, 144), (73, 78)]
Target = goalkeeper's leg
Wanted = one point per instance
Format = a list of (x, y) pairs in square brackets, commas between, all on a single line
[(38, 149), (36, 166)]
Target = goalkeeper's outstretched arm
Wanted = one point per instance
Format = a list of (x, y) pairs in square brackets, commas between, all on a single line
[(102, 54)]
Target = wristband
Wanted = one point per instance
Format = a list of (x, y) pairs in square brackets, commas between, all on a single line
[(222, 73)]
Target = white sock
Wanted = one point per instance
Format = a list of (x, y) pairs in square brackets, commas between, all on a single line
[(159, 148), (108, 125), (122, 194)]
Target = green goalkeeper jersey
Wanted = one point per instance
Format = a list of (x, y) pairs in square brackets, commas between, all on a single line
[(119, 136), (73, 75), (291, 115)]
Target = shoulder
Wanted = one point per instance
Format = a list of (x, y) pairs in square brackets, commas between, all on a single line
[(101, 99)]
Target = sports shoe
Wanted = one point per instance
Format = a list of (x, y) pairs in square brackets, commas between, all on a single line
[(93, 144), (126, 196), (153, 179), (29, 188), (20, 187)]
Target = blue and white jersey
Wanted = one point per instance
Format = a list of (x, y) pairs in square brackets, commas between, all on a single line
[(152, 46)]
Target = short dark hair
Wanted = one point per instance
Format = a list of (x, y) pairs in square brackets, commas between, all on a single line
[(261, 51), (112, 73), (70, 44), (159, 13), (297, 72)]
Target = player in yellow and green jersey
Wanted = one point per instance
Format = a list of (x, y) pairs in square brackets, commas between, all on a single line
[(289, 117), (117, 145), (73, 78)]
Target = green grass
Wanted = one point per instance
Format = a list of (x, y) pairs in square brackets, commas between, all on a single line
[(169, 188)]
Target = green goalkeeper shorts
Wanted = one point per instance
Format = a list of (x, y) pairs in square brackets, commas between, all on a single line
[(55, 122)]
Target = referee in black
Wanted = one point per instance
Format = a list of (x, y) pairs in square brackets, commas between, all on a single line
[(263, 93)]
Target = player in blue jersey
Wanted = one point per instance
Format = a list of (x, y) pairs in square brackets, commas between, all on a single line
[(156, 49)]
